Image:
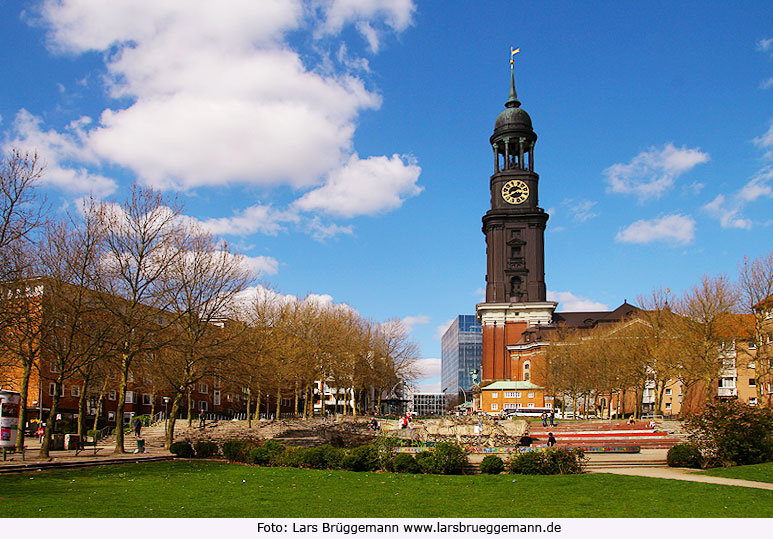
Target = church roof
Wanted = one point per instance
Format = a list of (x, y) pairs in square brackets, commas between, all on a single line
[(507, 385)]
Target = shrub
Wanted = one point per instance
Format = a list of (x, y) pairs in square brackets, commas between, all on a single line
[(259, 456), (324, 457), (451, 458), (733, 433), (427, 462), (385, 447), (361, 459), (492, 464), (405, 463), (237, 450), (182, 449), (206, 449), (291, 457), (550, 462), (685, 456), (93, 434)]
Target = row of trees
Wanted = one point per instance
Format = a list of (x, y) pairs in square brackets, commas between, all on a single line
[(133, 290), (687, 340)]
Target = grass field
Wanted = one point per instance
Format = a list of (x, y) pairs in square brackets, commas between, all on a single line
[(214, 489), (754, 472)]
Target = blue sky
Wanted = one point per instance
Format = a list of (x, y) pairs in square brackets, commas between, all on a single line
[(343, 144)]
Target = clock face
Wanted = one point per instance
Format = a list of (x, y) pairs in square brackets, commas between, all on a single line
[(515, 192)]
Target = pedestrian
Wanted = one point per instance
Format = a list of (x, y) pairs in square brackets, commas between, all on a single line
[(201, 419), (552, 418), (137, 426), (544, 419), (551, 439)]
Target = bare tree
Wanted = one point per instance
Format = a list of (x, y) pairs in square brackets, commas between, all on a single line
[(202, 284), (141, 244), (756, 285), (704, 311)]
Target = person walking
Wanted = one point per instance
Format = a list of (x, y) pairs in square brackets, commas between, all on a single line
[(201, 419), (552, 418), (137, 427), (544, 419)]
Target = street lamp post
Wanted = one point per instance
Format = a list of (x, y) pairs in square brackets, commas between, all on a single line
[(166, 400)]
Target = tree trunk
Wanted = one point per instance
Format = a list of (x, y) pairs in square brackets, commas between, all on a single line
[(295, 400), (25, 384), (51, 423), (190, 409), (82, 411), (178, 397), (257, 405), (100, 400), (249, 401), (121, 403), (278, 400)]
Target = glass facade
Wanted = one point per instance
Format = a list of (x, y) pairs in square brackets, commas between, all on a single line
[(427, 404), (461, 352)]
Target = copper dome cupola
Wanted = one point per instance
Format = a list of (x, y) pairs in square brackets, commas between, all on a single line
[(513, 139)]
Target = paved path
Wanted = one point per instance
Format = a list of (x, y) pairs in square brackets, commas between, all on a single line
[(681, 474)]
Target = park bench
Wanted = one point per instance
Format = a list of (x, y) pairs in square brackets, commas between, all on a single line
[(84, 444)]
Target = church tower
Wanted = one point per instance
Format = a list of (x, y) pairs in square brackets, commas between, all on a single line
[(515, 247)]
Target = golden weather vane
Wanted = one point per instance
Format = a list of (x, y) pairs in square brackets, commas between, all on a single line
[(513, 52)]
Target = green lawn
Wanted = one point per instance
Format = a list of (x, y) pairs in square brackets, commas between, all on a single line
[(214, 489), (753, 472)]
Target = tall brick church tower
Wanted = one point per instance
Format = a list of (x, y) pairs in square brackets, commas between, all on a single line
[(515, 248)]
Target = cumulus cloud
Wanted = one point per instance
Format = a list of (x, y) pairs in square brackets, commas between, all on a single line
[(61, 154), (674, 229), (262, 265), (442, 328), (396, 15), (411, 321), (257, 218), (213, 94), (365, 186), (569, 302), (429, 370), (653, 172)]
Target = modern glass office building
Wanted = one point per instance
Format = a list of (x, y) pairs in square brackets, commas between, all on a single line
[(461, 352)]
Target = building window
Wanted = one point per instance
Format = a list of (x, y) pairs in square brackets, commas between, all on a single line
[(203, 406), (752, 382), (203, 388), (147, 399), (216, 398), (129, 397), (75, 391), (668, 406), (494, 406), (530, 405), (548, 405), (509, 406), (531, 394), (112, 395), (51, 389), (53, 366), (752, 401), (509, 394), (517, 394), (495, 395), (111, 416), (752, 345)]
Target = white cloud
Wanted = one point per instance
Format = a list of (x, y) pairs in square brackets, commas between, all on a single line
[(396, 15), (442, 328), (728, 216), (581, 210), (60, 153), (652, 172), (365, 187), (674, 229), (217, 96), (429, 368), (480, 293), (411, 321), (765, 45), (257, 218), (570, 302), (321, 232), (767, 83), (765, 141), (262, 265)]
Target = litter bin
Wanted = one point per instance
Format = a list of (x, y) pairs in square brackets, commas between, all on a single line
[(71, 441), (140, 445)]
